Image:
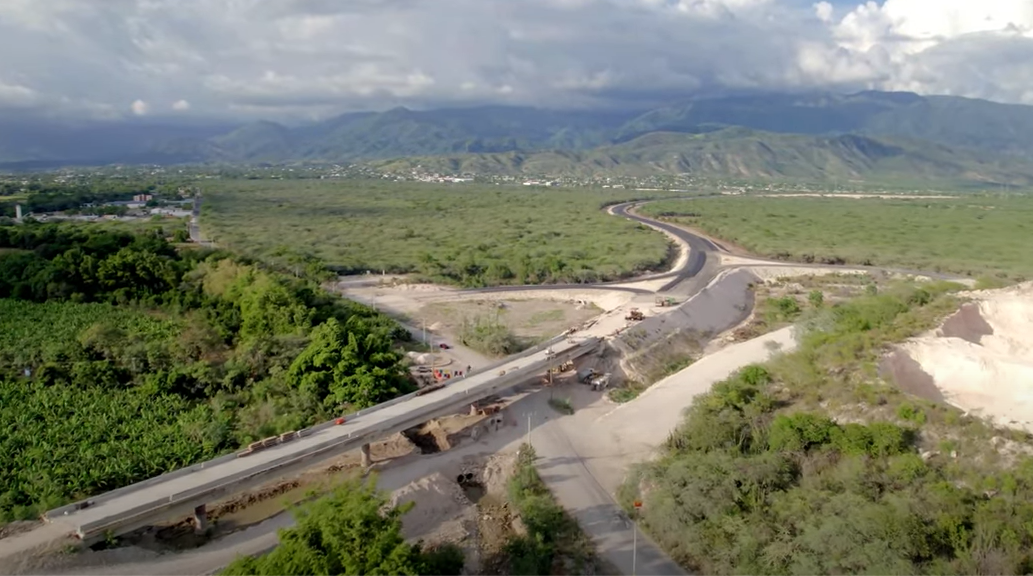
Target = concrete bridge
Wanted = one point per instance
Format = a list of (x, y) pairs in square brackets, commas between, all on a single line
[(188, 490)]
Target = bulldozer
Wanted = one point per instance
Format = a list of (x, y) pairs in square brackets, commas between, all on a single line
[(635, 315), (665, 301)]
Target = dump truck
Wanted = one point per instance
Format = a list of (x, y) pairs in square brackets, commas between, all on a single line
[(665, 301), (635, 315), (585, 376), (601, 382)]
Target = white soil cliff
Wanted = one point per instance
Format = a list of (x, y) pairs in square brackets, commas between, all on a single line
[(981, 358)]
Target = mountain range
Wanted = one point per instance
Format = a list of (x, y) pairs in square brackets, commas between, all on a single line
[(816, 135)]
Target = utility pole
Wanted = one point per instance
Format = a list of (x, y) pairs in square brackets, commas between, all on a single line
[(634, 537), (634, 549), (529, 414)]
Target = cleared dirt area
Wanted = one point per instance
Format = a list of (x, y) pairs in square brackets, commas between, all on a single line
[(979, 360), (465, 506), (531, 321)]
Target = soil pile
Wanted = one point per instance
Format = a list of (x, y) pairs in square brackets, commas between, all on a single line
[(980, 359)]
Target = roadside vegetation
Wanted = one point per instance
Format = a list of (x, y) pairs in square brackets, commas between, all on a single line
[(562, 405), (470, 235), (122, 358), (977, 235), (811, 464), (553, 542), (352, 530)]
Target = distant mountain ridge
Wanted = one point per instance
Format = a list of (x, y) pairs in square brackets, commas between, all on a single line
[(955, 134), (741, 153)]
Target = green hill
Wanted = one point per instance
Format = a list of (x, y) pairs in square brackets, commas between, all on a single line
[(811, 135), (744, 153)]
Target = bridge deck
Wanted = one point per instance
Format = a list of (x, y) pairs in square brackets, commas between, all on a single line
[(155, 495)]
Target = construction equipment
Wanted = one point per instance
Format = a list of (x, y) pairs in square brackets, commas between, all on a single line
[(665, 301), (635, 315), (565, 367), (585, 376)]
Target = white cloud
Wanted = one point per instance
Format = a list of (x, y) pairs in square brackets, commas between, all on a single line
[(16, 95), (823, 10), (139, 107), (977, 48), (317, 57)]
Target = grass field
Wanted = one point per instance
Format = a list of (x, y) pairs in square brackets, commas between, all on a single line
[(472, 235), (980, 235)]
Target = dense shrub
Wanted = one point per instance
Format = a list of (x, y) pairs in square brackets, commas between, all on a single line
[(351, 531)]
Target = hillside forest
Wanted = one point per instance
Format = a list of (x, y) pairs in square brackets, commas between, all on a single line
[(123, 357)]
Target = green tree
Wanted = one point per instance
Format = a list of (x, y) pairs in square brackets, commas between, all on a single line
[(352, 366), (350, 531)]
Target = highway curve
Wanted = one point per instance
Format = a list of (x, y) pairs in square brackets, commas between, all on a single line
[(699, 268)]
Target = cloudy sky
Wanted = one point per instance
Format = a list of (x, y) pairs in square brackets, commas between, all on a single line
[(312, 58)]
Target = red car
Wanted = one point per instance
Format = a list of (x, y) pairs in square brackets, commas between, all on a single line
[(444, 346)]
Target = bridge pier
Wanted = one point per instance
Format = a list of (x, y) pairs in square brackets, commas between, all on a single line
[(367, 460), (200, 518)]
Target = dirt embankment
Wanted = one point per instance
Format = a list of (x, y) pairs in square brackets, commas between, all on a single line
[(980, 359), (463, 505)]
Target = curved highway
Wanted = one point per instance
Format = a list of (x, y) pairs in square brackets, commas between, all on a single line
[(701, 266)]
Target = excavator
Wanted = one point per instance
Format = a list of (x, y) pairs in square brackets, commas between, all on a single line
[(635, 315)]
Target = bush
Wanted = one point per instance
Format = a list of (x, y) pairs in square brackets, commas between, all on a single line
[(488, 335), (443, 560), (350, 531), (800, 432), (816, 298), (550, 531), (562, 405)]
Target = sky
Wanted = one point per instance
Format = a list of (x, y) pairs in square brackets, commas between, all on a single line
[(308, 59)]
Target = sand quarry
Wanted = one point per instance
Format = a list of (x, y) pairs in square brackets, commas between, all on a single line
[(979, 360)]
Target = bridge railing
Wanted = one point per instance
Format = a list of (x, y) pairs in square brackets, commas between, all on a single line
[(88, 529)]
